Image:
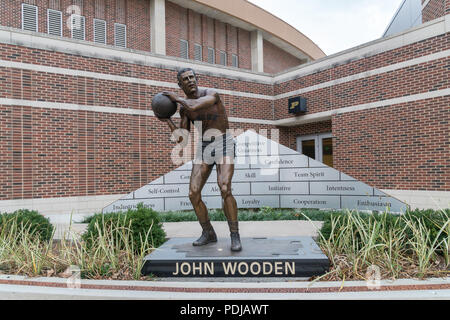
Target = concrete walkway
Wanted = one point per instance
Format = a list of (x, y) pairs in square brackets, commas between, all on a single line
[(14, 287), (248, 229)]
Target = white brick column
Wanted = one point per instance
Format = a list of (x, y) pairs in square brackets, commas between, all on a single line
[(158, 26), (257, 51)]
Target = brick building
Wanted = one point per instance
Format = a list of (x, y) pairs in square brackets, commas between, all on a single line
[(77, 79)]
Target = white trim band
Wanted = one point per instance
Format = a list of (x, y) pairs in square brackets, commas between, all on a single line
[(109, 77), (327, 115), (316, 117), (366, 74), (103, 109)]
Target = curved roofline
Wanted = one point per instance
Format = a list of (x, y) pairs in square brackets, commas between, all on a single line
[(266, 21)]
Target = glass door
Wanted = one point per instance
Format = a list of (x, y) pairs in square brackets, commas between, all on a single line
[(318, 147)]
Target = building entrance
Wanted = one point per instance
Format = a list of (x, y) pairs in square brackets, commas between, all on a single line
[(318, 147)]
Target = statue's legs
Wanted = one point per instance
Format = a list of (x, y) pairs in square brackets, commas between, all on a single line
[(199, 176), (225, 173)]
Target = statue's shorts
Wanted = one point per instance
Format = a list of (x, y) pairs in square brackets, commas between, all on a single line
[(220, 150)]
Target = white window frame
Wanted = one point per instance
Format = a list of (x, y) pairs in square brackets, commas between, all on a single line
[(115, 35), (37, 17), (214, 55), (197, 45), (223, 54), (318, 142), (235, 57), (60, 22), (72, 27), (95, 19), (187, 49)]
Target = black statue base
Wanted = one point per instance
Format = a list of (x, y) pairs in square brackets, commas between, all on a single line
[(296, 257)]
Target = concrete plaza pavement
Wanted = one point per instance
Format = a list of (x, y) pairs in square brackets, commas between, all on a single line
[(248, 229)]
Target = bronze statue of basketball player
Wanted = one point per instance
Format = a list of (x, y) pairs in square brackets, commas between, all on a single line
[(206, 106)]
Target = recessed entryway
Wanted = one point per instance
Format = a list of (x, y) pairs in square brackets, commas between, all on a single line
[(318, 147)]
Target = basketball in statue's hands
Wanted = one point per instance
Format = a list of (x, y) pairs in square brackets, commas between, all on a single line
[(163, 107)]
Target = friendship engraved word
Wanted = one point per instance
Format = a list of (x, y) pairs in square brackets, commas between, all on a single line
[(233, 268)]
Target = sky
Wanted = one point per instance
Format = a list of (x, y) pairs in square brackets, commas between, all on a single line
[(335, 25)]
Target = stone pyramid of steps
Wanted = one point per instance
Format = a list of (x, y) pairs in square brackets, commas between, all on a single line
[(267, 174)]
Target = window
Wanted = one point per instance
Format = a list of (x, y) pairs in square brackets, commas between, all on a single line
[(318, 147), (198, 52), (54, 22), (223, 58), (99, 31), (211, 56), (78, 27), (235, 61), (184, 49), (120, 35), (29, 17)]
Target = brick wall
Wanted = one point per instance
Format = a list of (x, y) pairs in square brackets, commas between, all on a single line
[(69, 151), (400, 146), (404, 81), (435, 9), (277, 60), (403, 147), (185, 24), (132, 13), (181, 23), (60, 153)]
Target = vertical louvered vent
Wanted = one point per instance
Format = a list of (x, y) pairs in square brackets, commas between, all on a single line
[(211, 56), (184, 49), (235, 61), (54, 22), (120, 35), (223, 58), (198, 52), (29, 17), (78, 27), (100, 31)]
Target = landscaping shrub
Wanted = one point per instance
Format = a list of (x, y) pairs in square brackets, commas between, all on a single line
[(140, 221), (31, 221)]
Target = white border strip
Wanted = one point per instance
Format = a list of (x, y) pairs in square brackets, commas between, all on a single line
[(316, 117), (370, 73), (327, 115), (109, 77), (95, 50), (103, 109), (47, 42)]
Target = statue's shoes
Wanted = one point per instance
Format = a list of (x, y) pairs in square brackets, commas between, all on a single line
[(235, 242), (208, 236)]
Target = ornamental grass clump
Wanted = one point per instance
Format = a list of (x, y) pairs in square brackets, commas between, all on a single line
[(114, 248), (415, 244), (23, 248), (111, 250)]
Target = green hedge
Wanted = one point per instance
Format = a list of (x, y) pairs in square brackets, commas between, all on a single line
[(139, 220), (31, 221)]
